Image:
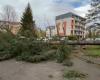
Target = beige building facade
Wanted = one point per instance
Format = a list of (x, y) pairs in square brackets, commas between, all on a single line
[(70, 24), (13, 26)]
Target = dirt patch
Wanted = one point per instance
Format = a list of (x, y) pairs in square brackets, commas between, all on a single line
[(12, 70), (92, 70)]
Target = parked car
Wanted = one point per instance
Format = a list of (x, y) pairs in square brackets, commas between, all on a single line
[(97, 39), (89, 39)]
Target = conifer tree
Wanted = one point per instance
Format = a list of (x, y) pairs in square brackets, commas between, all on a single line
[(93, 16), (93, 19), (28, 25)]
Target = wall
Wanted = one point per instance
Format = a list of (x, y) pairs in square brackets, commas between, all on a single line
[(64, 26)]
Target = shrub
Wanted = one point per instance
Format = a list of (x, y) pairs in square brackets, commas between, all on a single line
[(50, 55), (5, 55), (6, 46), (72, 37), (33, 59), (42, 56), (55, 38), (21, 48), (54, 47), (31, 50), (28, 49), (63, 52), (39, 58), (71, 74)]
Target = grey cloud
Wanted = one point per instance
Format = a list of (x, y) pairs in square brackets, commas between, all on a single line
[(44, 11)]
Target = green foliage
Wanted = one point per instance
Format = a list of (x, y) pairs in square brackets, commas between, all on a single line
[(71, 74), (72, 37), (55, 38), (6, 46), (34, 51), (63, 52), (93, 51), (28, 25), (33, 59), (21, 48), (25, 49), (54, 47), (28, 49), (38, 57)]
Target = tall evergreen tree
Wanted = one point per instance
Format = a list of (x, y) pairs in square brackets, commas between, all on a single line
[(28, 25), (93, 17)]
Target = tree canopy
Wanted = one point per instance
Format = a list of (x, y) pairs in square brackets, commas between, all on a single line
[(27, 22)]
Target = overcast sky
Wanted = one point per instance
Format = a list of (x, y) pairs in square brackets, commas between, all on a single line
[(44, 11)]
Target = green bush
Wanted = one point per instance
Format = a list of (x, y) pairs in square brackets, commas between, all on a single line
[(54, 46), (36, 52), (71, 74), (63, 52), (72, 37), (6, 46), (33, 59), (28, 49), (50, 55), (21, 48)]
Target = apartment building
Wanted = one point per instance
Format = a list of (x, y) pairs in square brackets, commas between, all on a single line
[(13, 26), (70, 24)]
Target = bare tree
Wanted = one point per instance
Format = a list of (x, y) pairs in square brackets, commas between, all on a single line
[(8, 15)]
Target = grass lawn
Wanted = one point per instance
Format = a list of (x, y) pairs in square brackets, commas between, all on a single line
[(93, 51)]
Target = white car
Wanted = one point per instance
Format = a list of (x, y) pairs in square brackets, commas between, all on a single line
[(97, 39), (89, 39), (45, 39)]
